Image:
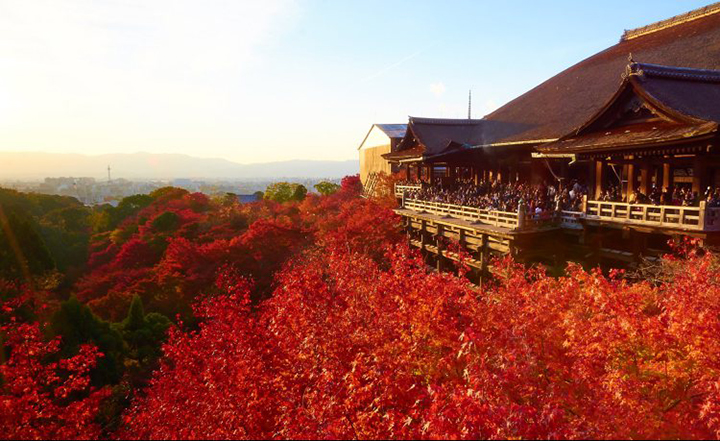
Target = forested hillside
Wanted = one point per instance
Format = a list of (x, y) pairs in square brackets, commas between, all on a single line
[(177, 315)]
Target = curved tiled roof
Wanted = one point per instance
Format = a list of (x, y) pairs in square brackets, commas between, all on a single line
[(432, 136), (687, 99), (570, 98)]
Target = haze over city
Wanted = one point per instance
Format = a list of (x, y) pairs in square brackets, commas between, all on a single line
[(279, 79)]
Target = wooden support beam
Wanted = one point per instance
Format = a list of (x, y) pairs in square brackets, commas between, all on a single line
[(484, 255), (438, 244)]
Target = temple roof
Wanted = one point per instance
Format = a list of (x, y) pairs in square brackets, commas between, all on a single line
[(427, 137), (393, 130), (654, 106), (570, 98), (692, 92)]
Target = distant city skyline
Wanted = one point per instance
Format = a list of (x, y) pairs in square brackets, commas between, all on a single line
[(280, 79)]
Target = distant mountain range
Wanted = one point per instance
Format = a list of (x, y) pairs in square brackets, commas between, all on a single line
[(135, 166)]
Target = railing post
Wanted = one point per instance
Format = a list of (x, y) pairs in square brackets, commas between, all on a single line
[(521, 217), (585, 203), (701, 215)]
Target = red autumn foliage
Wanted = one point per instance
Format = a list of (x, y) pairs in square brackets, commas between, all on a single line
[(351, 185), (345, 349), (43, 396), (313, 320)]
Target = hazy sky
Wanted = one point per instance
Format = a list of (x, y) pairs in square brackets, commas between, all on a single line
[(277, 79)]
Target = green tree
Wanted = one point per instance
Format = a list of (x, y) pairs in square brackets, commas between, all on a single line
[(21, 247), (77, 325), (326, 188), (166, 222), (168, 193), (285, 192), (143, 333), (299, 193), (130, 206), (101, 219)]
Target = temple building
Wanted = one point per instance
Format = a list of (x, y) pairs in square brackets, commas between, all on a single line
[(634, 128), (380, 139)]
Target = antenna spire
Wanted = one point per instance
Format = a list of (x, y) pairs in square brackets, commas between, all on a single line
[(470, 104), (109, 173)]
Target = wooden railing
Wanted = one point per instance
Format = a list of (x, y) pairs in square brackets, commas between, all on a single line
[(490, 217), (699, 218), (571, 219), (401, 189)]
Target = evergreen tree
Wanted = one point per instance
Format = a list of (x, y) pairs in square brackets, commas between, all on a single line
[(21, 247), (143, 333), (77, 325)]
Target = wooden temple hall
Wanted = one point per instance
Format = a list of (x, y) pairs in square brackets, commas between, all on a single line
[(632, 131)]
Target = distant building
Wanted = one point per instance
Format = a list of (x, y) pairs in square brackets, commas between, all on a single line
[(248, 198), (381, 139)]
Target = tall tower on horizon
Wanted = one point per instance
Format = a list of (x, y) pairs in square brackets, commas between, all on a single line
[(109, 173)]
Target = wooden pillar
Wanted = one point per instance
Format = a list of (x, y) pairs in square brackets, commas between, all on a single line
[(484, 258), (645, 178), (418, 172), (564, 173), (599, 171), (407, 172), (631, 179), (699, 175), (668, 174), (438, 244), (536, 172)]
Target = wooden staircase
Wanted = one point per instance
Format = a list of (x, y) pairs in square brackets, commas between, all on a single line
[(369, 187)]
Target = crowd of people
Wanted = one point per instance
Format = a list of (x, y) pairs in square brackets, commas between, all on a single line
[(493, 195), (678, 196)]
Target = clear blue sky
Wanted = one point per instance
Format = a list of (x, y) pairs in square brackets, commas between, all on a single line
[(277, 79)]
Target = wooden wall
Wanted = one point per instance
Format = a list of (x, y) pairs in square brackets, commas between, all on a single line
[(371, 161)]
